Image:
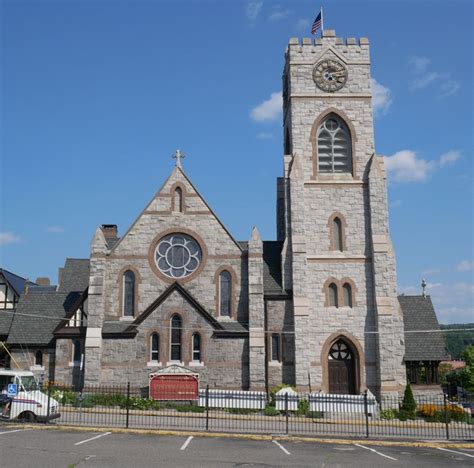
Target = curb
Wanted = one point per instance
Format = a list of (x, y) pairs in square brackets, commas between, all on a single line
[(258, 437)]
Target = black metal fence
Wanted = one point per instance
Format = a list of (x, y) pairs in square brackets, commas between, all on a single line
[(254, 412)]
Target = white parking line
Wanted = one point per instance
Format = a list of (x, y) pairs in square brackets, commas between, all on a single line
[(189, 439), (281, 446), (455, 451), (375, 451), (16, 430), (92, 438)]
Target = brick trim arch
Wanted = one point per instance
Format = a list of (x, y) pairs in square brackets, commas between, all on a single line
[(331, 219), (359, 358), (314, 143), (184, 194), (233, 308), (326, 284), (353, 291), (138, 280)]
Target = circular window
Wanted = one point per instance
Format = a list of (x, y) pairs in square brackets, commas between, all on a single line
[(178, 255), (340, 351)]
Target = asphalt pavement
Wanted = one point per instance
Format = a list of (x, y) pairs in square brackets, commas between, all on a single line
[(67, 449)]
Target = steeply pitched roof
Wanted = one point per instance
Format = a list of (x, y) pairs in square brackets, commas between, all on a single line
[(272, 279), (38, 314), (15, 281), (418, 316), (74, 275)]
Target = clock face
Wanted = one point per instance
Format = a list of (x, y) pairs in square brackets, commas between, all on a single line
[(330, 75)]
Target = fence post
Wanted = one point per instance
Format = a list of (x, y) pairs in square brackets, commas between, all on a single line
[(446, 415), (366, 411), (49, 403), (127, 419), (286, 410), (207, 407)]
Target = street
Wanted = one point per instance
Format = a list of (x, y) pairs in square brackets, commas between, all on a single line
[(62, 448)]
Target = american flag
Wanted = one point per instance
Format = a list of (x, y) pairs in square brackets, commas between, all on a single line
[(316, 24)]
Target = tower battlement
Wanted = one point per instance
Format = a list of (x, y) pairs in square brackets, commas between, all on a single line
[(355, 49)]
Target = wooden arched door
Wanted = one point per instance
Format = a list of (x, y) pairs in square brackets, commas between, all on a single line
[(341, 366)]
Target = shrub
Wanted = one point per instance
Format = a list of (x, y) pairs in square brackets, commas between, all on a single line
[(387, 414), (403, 415), (189, 409), (409, 403), (303, 407), (270, 411)]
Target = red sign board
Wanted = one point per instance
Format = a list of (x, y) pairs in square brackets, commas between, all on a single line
[(174, 387)]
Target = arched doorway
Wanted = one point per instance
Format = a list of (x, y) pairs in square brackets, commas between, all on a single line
[(341, 369)]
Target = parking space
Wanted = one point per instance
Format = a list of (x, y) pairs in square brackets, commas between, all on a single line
[(55, 448)]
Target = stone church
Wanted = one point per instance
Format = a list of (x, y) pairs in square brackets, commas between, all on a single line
[(316, 308)]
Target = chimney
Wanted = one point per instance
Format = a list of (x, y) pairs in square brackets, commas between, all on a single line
[(43, 281), (109, 230)]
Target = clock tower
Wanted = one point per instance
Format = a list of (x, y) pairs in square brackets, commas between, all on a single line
[(332, 215)]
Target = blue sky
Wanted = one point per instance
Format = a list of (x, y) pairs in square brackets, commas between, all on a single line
[(96, 95)]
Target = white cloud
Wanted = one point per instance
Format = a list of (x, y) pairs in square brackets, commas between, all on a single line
[(265, 136), (465, 265), (302, 25), (449, 88), (449, 158), (423, 76), (419, 64), (381, 98), (406, 166), (268, 110), (8, 238), (278, 13), (55, 229), (253, 9)]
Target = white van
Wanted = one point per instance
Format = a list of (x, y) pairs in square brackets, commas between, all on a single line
[(30, 404)]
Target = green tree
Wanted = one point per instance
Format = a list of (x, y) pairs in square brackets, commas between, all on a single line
[(409, 403), (467, 374)]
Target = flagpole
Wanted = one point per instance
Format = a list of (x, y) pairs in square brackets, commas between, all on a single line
[(322, 22)]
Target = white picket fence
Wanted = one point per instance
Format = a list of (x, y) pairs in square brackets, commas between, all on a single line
[(233, 399)]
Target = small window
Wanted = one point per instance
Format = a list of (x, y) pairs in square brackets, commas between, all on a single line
[(176, 338), (334, 146), (76, 351), (197, 347), (337, 240), (347, 293), (38, 358), (129, 294), (155, 347), (332, 293), (225, 293), (276, 348), (178, 200)]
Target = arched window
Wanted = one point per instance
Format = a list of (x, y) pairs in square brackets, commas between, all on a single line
[(38, 358), (332, 295), (155, 347), (337, 236), (334, 146), (178, 200), (225, 293), (347, 294), (129, 293), (287, 142), (197, 347), (76, 351), (176, 338)]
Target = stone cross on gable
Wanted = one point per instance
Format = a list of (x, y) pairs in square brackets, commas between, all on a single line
[(178, 155)]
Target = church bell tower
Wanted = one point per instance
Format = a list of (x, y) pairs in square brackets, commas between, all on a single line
[(332, 215)]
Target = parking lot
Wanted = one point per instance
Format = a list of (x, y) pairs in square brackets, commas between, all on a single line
[(58, 448)]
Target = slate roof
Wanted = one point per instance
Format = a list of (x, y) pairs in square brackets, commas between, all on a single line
[(74, 275), (15, 281), (37, 315), (419, 314), (6, 317), (272, 279)]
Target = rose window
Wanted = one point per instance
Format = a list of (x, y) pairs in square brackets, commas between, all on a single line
[(178, 255), (340, 351)]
